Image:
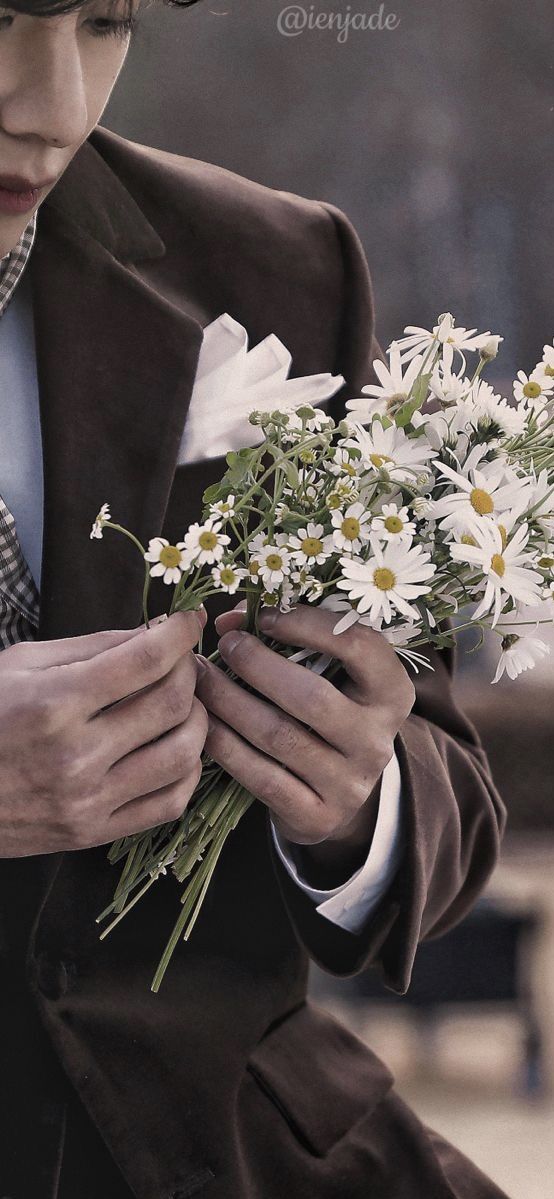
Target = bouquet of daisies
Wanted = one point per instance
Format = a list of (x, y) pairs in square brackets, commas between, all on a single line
[(430, 509)]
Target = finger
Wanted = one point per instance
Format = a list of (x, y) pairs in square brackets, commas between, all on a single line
[(160, 807), (270, 730), (148, 714), (300, 812), (308, 697), (235, 619), (125, 669), (366, 656), (66, 650), (174, 756)]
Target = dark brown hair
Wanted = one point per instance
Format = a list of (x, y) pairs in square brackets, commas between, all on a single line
[(45, 8)]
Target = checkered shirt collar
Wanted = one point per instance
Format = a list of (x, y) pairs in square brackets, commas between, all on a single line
[(13, 265)]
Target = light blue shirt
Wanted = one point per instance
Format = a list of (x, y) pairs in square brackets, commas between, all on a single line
[(21, 480)]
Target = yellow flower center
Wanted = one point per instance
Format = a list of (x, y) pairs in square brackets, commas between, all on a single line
[(334, 501), (348, 468), (306, 456), (170, 556), (546, 562), (396, 401), (384, 578), (481, 501), (379, 460), (274, 561), (532, 390), (270, 599), (350, 528), (207, 540), (311, 546), (549, 370), (467, 539), (227, 576), (254, 567), (394, 524), (498, 565), (503, 535)]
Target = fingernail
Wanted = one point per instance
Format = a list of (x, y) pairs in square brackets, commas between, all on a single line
[(156, 620), (202, 664), (229, 642)]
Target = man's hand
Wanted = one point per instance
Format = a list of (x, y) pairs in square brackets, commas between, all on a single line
[(100, 736), (312, 753)]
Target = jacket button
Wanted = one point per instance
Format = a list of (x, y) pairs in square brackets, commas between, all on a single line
[(52, 977)]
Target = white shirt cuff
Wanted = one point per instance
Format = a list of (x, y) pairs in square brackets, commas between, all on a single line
[(351, 904)]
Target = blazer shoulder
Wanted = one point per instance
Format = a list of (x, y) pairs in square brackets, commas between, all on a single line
[(185, 196)]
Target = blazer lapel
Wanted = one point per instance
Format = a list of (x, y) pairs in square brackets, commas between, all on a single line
[(116, 364)]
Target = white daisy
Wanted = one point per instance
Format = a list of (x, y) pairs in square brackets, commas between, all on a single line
[(273, 564), (344, 492), (488, 492), (392, 391), (103, 515), (311, 545), (393, 575), (170, 561), (541, 504), (489, 408), (534, 389), (351, 528), (400, 457), (508, 571), (205, 544), (448, 387), (393, 523), (344, 463), (224, 509), (520, 652), (444, 334), (228, 578), (307, 584), (547, 364)]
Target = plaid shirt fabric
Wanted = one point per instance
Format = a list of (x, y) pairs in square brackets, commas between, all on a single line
[(19, 598)]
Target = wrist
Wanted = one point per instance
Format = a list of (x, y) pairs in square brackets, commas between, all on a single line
[(333, 862)]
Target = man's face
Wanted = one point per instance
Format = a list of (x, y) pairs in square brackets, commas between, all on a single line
[(56, 76)]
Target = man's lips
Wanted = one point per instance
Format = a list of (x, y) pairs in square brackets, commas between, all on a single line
[(19, 183), (19, 195)]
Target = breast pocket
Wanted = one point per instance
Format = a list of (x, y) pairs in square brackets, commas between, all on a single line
[(321, 1078)]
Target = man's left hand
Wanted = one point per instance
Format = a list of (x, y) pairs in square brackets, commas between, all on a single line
[(312, 753)]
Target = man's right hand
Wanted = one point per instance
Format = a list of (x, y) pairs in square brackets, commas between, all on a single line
[(100, 736)]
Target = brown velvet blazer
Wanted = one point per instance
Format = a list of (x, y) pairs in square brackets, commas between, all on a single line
[(228, 1083)]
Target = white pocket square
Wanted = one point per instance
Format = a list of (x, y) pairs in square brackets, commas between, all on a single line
[(231, 381)]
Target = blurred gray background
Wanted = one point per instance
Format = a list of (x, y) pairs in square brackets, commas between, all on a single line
[(436, 139)]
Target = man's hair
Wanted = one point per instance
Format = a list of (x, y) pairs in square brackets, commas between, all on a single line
[(45, 8)]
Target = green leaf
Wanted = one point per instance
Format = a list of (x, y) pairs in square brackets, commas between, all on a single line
[(213, 493), (420, 392)]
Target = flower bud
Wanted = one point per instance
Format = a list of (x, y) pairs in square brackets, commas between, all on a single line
[(489, 349)]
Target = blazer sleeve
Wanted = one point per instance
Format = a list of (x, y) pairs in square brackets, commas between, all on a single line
[(453, 816)]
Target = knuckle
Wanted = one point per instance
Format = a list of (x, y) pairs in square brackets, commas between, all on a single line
[(176, 702), (284, 737), (200, 719), (147, 657), (176, 803)]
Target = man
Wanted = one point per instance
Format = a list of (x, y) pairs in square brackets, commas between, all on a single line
[(228, 1082)]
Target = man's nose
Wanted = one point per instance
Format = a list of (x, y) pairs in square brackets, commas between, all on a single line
[(47, 99)]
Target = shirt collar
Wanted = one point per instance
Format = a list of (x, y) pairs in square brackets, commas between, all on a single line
[(13, 265)]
